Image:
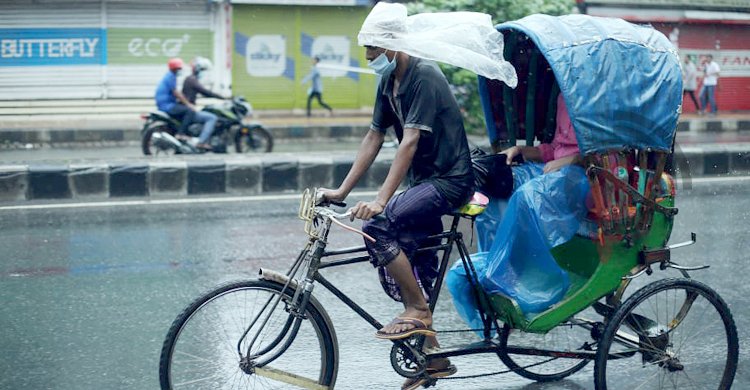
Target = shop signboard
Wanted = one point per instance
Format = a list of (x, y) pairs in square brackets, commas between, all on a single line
[(52, 46)]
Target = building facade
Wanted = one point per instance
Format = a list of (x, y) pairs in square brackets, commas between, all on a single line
[(698, 28), (274, 43), (108, 49), (98, 49)]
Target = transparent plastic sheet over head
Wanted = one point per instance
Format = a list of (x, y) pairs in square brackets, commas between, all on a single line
[(467, 40)]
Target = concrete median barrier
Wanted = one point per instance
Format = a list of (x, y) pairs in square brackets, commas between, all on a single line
[(161, 179)]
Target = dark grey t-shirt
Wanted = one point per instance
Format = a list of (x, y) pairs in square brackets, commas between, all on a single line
[(426, 103)]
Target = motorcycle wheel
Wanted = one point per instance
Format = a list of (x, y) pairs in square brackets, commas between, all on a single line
[(149, 147), (253, 139)]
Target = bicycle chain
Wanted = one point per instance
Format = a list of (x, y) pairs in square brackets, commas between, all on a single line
[(493, 373), (490, 373), (460, 331)]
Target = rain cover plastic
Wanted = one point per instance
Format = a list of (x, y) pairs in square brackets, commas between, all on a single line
[(464, 39)]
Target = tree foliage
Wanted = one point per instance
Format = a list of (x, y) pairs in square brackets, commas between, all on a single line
[(464, 81)]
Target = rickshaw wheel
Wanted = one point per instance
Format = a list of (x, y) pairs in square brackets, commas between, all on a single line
[(672, 333), (570, 336)]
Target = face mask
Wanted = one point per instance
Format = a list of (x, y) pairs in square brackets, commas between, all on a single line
[(382, 66)]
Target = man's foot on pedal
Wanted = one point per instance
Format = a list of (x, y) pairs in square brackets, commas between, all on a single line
[(430, 375), (205, 147), (403, 327)]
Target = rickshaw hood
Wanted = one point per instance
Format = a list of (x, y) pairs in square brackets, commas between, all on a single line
[(621, 82)]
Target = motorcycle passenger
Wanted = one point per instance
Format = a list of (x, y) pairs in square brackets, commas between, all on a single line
[(190, 89), (170, 100)]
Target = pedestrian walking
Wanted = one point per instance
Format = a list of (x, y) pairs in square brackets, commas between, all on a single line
[(316, 89), (690, 81), (710, 81)]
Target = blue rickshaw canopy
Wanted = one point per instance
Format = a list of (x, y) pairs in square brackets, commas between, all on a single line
[(621, 82)]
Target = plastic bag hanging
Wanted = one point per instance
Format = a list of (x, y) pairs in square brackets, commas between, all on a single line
[(467, 40)]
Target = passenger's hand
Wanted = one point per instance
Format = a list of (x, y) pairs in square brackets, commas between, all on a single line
[(511, 152), (556, 165), (365, 210)]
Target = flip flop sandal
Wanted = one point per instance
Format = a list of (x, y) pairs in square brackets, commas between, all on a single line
[(419, 327), (432, 374)]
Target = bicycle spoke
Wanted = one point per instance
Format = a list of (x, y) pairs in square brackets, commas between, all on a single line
[(204, 354), (691, 344)]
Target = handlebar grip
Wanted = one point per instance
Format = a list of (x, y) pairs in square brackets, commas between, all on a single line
[(337, 203)]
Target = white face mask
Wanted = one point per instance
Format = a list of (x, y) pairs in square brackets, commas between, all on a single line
[(382, 66)]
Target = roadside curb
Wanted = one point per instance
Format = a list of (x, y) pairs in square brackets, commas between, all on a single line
[(713, 124), (164, 179), (255, 175)]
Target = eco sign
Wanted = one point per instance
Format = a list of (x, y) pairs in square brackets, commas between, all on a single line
[(156, 46)]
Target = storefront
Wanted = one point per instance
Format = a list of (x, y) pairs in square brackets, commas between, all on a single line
[(274, 46), (105, 49), (720, 28)]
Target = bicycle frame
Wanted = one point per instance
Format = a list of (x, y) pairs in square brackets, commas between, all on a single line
[(315, 253)]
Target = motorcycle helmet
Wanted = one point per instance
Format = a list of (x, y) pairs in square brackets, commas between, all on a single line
[(200, 64), (175, 64)]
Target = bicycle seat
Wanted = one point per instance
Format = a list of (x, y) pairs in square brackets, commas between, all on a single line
[(476, 205)]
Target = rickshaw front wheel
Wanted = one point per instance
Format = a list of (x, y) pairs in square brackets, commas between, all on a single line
[(672, 333)]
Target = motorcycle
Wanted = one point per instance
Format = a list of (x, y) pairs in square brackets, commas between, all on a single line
[(159, 131)]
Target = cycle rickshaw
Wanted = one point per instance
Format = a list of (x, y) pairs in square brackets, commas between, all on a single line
[(622, 85)]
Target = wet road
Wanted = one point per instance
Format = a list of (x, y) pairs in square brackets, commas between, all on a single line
[(89, 292)]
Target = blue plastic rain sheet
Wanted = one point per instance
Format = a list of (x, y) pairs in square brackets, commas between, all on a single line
[(621, 82), (515, 241)]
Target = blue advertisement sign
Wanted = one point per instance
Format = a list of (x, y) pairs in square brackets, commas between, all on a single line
[(52, 46)]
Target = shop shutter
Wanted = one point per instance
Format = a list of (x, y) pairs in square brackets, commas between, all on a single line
[(46, 72), (144, 35), (273, 48)]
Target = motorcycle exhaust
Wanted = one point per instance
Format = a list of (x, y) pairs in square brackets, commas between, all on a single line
[(164, 140)]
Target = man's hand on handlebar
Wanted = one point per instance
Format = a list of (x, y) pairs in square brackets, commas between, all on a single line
[(326, 196), (366, 210)]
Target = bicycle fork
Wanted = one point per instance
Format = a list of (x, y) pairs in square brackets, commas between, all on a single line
[(296, 307)]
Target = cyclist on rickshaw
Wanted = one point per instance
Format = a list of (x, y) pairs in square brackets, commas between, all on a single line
[(414, 97)]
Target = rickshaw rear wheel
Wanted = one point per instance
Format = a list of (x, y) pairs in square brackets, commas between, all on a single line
[(672, 333), (566, 337)]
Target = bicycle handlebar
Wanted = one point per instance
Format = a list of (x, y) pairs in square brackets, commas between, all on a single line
[(313, 205)]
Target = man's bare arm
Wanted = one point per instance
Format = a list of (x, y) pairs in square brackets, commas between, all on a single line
[(368, 150), (401, 163)]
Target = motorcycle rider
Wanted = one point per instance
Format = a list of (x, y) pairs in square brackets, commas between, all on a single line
[(170, 100), (190, 89)]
